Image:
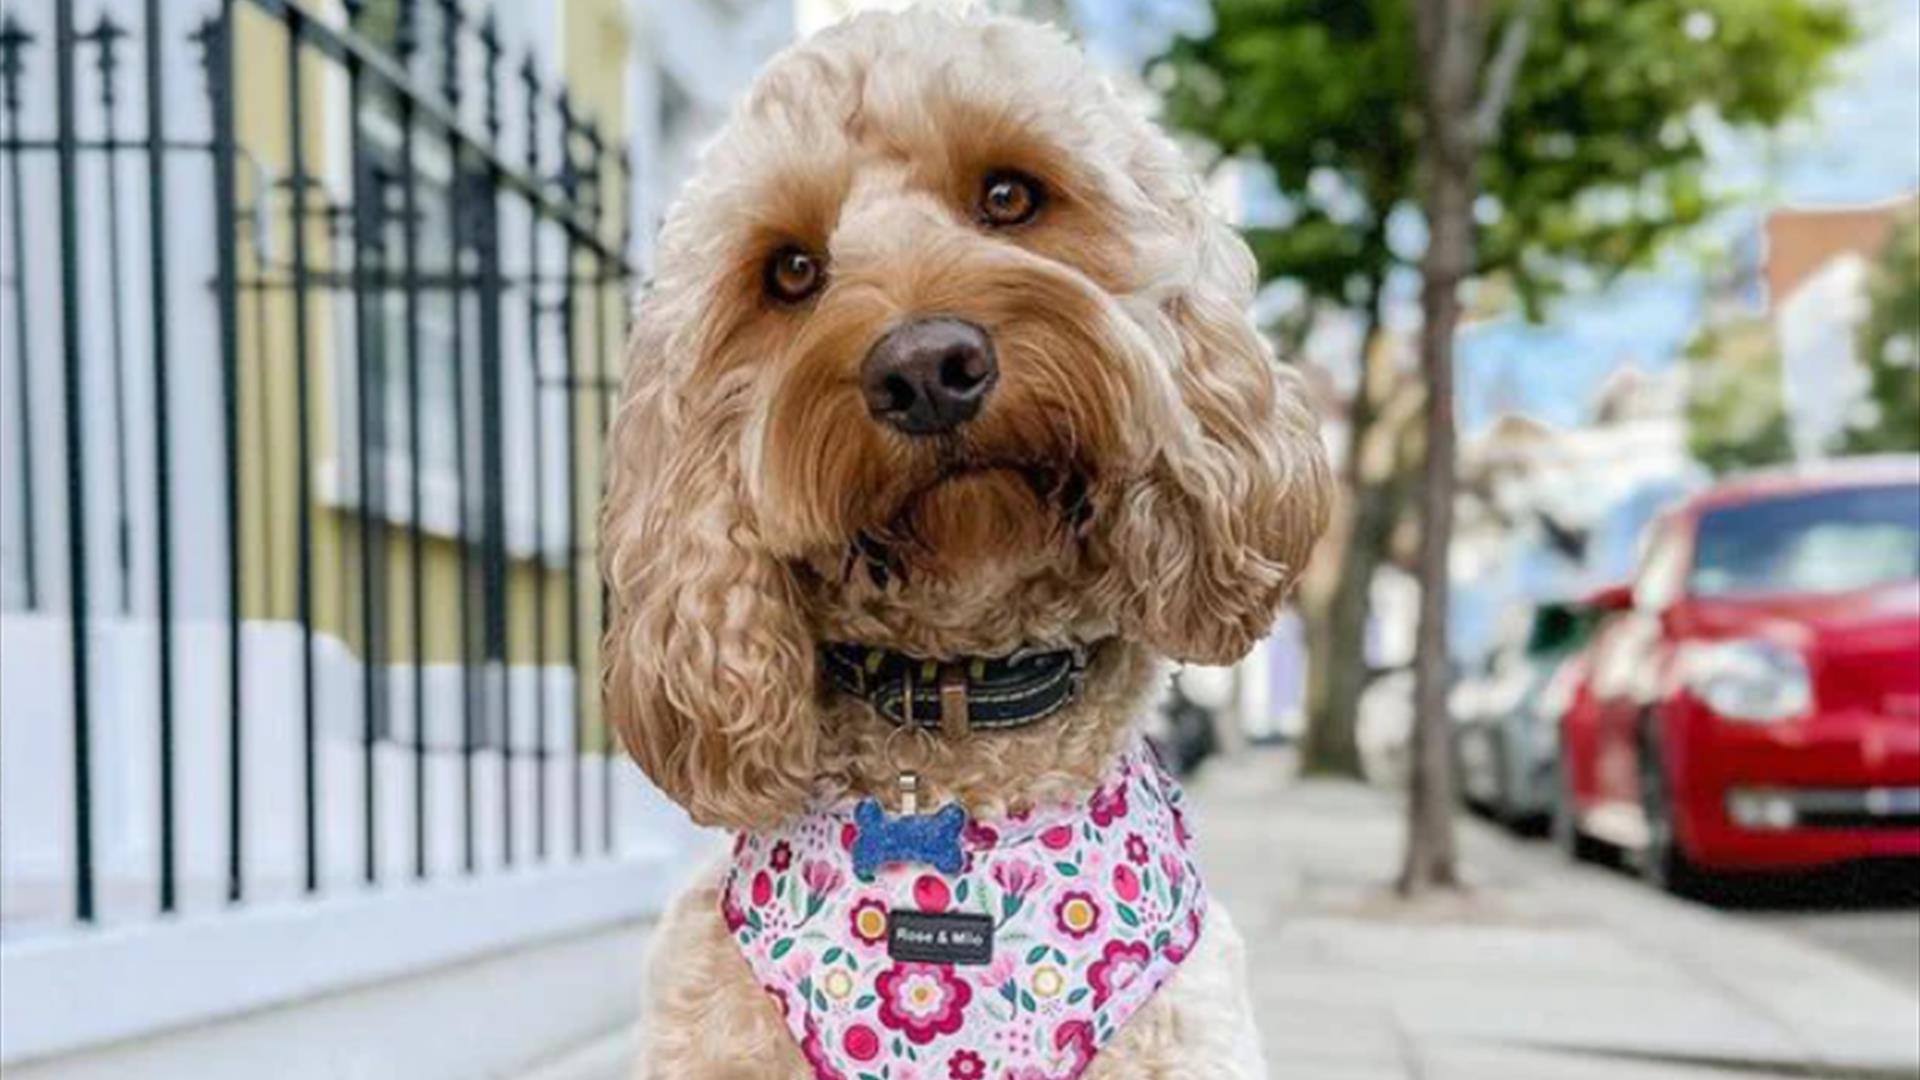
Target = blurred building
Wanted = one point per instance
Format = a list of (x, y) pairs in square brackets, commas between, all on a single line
[(1816, 269)]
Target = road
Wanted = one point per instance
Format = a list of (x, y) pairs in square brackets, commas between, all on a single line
[(1870, 916)]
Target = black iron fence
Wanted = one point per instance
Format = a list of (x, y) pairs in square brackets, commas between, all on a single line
[(311, 327)]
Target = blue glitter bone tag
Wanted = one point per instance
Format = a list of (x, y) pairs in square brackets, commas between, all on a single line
[(932, 839)]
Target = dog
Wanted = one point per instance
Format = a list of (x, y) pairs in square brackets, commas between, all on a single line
[(945, 427)]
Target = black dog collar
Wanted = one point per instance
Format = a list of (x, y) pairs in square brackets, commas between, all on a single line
[(962, 695)]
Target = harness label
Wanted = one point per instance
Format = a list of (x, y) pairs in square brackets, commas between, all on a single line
[(921, 937)]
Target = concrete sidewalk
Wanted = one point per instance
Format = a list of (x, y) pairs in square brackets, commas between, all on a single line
[(1542, 971)]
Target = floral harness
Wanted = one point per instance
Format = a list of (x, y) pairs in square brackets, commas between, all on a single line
[(1063, 922)]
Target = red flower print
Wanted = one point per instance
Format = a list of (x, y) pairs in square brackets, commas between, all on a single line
[(1136, 849), (1108, 804), (861, 1043), (1058, 837), (1016, 877), (819, 1056), (931, 894), (821, 877), (1180, 832), (1120, 963), (1126, 883), (981, 837), (1077, 914), (782, 856), (922, 1001), (966, 1065), (868, 920), (762, 889), (848, 834), (1075, 1039), (739, 843), (730, 911)]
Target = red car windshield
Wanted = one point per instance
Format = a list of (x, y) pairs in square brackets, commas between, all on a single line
[(1820, 542)]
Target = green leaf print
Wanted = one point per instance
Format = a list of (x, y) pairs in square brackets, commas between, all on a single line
[(782, 947), (1067, 869), (1127, 915), (1037, 954)]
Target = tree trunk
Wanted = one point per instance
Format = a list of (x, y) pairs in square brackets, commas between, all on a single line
[(1339, 648), (1450, 39)]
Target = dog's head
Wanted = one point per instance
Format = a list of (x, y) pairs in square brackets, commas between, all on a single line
[(944, 352)]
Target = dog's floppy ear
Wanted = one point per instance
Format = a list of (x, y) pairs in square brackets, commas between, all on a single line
[(1213, 540), (709, 670)]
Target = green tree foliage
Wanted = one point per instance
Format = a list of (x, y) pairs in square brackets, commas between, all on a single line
[(1599, 157), (1735, 416), (1889, 346)]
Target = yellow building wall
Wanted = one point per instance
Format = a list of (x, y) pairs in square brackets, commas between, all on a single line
[(596, 41)]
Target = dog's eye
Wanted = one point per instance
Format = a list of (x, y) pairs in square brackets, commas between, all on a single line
[(1010, 198), (793, 274)]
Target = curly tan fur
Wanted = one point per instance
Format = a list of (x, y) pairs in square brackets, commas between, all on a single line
[(1143, 474)]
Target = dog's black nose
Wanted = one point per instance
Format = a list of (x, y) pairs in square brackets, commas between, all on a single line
[(929, 376)]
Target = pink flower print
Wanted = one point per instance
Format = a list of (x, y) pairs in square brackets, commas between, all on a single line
[(1108, 804), (931, 894), (868, 921), (1120, 963), (820, 876), (1074, 1040), (782, 855), (922, 1001), (819, 1056), (762, 889), (1180, 832), (1136, 849), (1017, 877), (1177, 950), (1057, 837), (1175, 869), (966, 1065), (848, 834), (861, 1043), (730, 911), (980, 837), (1126, 883), (798, 965), (1001, 971), (1077, 914)]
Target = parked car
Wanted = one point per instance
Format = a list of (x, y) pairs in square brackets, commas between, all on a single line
[(1506, 734), (1754, 704)]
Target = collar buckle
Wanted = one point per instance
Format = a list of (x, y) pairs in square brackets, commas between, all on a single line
[(955, 720)]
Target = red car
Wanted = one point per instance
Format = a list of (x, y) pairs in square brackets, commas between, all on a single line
[(1752, 702)]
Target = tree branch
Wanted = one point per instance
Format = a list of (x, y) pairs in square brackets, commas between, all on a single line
[(1502, 72)]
